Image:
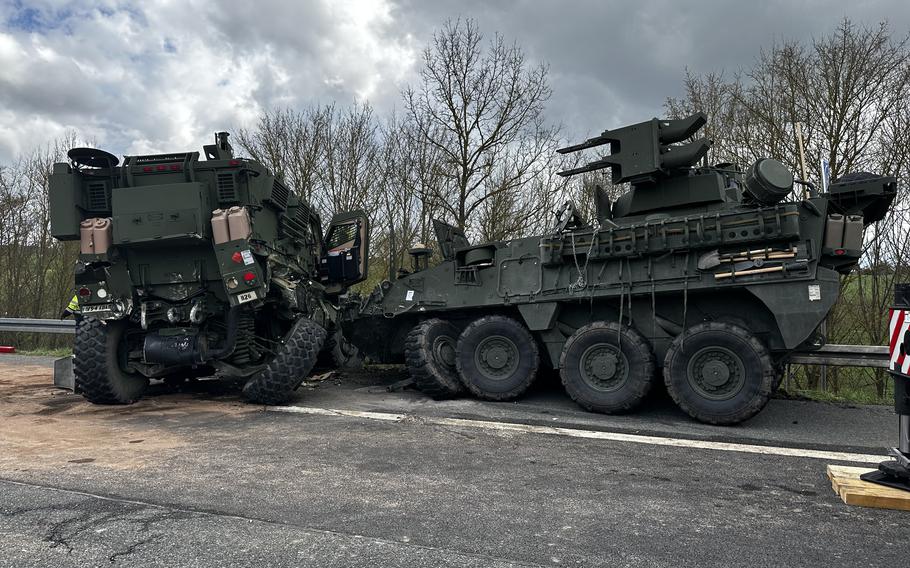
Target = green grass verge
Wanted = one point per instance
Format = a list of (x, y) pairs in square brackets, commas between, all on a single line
[(53, 352), (850, 397)]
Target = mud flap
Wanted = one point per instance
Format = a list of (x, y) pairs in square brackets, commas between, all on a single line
[(63, 374)]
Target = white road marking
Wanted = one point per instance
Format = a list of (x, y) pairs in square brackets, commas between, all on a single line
[(590, 434)]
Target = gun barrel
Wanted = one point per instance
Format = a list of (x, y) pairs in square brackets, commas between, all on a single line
[(590, 167), (589, 143)]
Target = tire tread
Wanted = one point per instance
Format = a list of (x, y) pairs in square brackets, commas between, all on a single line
[(429, 380), (639, 341), (518, 390), (755, 405), (294, 361), (92, 364)]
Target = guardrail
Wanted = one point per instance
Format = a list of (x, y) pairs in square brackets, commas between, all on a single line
[(28, 325), (843, 356), (832, 354)]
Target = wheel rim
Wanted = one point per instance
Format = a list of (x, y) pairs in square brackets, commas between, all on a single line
[(716, 373), (444, 351), (496, 357), (604, 367)]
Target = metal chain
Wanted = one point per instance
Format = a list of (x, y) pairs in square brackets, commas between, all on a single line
[(581, 282)]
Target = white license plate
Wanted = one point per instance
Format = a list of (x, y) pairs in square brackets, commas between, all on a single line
[(246, 297), (97, 308)]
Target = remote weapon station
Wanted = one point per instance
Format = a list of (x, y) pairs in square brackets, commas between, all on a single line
[(189, 267), (703, 275)]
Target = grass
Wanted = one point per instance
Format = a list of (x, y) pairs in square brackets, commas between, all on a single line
[(848, 397), (845, 385), (52, 352)]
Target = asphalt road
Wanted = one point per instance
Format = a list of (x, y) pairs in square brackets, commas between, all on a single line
[(199, 479)]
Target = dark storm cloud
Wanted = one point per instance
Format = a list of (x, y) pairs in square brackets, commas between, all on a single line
[(617, 61)]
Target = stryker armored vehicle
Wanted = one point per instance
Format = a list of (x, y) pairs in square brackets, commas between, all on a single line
[(707, 275), (190, 267)]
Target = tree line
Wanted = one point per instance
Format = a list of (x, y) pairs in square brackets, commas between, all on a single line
[(470, 144)]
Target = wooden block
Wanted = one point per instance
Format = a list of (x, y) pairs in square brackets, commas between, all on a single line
[(854, 491)]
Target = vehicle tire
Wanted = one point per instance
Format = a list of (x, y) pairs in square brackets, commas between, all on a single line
[(719, 373), (98, 351), (607, 367), (429, 354), (497, 358), (294, 361)]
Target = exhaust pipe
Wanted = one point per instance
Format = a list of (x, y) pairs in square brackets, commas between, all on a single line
[(180, 350)]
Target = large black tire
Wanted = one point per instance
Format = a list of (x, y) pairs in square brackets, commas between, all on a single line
[(98, 351), (429, 354), (497, 358), (607, 367), (294, 361), (719, 373)]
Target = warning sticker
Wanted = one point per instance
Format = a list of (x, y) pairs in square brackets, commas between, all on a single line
[(815, 292), (247, 256), (899, 330), (409, 296)]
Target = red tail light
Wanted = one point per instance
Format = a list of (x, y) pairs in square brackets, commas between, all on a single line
[(249, 277)]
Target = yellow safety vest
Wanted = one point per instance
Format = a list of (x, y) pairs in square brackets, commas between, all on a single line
[(73, 306)]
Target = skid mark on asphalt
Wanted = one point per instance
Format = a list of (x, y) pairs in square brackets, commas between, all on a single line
[(590, 434)]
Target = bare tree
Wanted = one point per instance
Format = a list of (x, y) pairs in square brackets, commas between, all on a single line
[(37, 279), (326, 154), (350, 168), (480, 107), (290, 143)]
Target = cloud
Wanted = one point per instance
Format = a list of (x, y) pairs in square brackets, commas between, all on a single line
[(158, 75), (162, 75)]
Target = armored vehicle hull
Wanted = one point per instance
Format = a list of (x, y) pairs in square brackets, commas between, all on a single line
[(191, 267), (704, 276)]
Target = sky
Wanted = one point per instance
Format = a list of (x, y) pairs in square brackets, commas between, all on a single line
[(163, 75)]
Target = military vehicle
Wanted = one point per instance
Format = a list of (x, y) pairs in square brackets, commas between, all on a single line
[(190, 267), (712, 274)]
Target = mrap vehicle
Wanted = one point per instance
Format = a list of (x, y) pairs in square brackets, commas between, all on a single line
[(706, 276), (192, 267)]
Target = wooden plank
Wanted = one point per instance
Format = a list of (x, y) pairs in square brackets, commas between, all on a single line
[(854, 491)]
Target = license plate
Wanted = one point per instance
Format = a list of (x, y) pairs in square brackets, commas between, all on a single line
[(97, 308), (246, 297)]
